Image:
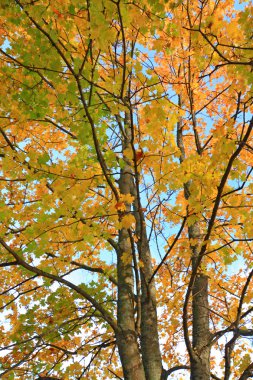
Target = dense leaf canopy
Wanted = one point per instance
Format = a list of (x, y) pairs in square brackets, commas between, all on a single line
[(126, 189)]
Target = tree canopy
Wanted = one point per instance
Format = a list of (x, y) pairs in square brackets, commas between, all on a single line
[(126, 189)]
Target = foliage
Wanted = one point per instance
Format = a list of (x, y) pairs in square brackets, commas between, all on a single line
[(126, 163)]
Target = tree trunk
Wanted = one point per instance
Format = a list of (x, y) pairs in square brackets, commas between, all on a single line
[(150, 348), (200, 353), (200, 363), (127, 337), (150, 357)]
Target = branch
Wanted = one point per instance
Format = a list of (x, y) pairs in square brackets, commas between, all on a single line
[(168, 372), (53, 43), (222, 185), (113, 244), (169, 250), (100, 156), (228, 61), (47, 119), (7, 139), (88, 268), (245, 332), (118, 377), (105, 315), (247, 373), (209, 230), (22, 360), (2, 265)]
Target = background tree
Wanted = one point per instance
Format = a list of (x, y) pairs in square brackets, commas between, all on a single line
[(126, 189)]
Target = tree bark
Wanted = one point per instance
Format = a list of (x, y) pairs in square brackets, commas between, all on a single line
[(150, 357), (200, 360), (127, 337), (200, 353), (150, 348), (200, 363)]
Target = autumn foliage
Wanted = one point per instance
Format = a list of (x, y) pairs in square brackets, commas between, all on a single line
[(126, 189)]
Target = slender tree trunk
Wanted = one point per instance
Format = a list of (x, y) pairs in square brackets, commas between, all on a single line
[(150, 350), (127, 337), (200, 361), (150, 347), (200, 355)]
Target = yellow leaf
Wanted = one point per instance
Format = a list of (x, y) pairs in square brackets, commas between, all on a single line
[(120, 206), (127, 221), (128, 198), (245, 361)]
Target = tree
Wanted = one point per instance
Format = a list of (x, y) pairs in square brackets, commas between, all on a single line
[(126, 189)]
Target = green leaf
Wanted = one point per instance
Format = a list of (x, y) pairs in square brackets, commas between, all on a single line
[(72, 9), (43, 159)]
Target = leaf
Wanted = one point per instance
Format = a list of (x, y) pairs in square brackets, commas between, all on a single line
[(128, 221), (120, 206), (43, 159), (125, 186), (71, 9), (245, 362)]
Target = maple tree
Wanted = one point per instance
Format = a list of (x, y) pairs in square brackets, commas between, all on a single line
[(126, 189)]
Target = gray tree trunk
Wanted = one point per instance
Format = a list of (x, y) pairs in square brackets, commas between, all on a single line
[(200, 363), (149, 333), (200, 353), (127, 338), (200, 360), (148, 364)]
